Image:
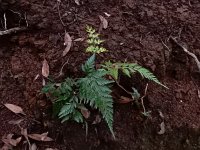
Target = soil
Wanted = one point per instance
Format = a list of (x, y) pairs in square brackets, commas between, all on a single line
[(138, 31)]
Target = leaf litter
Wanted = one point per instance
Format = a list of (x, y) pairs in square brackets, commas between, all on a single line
[(45, 68), (103, 21), (67, 43), (14, 108), (40, 137)]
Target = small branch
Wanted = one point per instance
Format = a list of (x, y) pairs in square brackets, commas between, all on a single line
[(130, 93), (165, 45), (5, 21), (12, 30), (188, 52), (58, 8), (142, 98), (61, 70)]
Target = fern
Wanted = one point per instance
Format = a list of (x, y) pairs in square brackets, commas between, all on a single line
[(89, 65), (94, 41), (129, 69), (70, 96), (94, 90), (65, 101)]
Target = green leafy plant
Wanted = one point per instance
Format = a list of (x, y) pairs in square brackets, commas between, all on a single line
[(129, 69), (94, 89), (94, 41)]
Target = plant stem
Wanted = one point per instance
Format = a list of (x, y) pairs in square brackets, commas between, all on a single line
[(142, 98), (130, 93)]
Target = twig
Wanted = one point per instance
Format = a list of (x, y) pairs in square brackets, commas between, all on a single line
[(25, 17), (5, 21), (61, 70), (12, 30), (188, 52), (124, 89), (142, 98), (58, 8), (165, 45)]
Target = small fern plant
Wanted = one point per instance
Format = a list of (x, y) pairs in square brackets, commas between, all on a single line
[(94, 89)]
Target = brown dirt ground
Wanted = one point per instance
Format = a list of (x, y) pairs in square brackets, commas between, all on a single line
[(136, 33)]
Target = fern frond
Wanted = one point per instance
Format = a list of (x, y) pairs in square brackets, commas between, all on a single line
[(146, 74), (129, 69), (94, 41), (89, 67), (112, 69), (94, 90)]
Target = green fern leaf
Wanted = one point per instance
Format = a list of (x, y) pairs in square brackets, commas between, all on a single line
[(147, 74), (77, 116), (94, 90), (128, 69), (88, 67), (66, 109)]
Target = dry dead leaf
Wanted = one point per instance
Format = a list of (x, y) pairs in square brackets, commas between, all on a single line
[(77, 2), (68, 43), (45, 68), (40, 137), (33, 147), (15, 142), (104, 22), (124, 100), (85, 112), (16, 122), (8, 140), (43, 82), (24, 132), (79, 40), (36, 77), (162, 128), (161, 114), (107, 14), (6, 147), (14, 108), (97, 120)]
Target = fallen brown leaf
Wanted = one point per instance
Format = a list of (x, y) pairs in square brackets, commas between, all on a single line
[(161, 114), (14, 108), (6, 147), (8, 140), (25, 134), (40, 137), (162, 128), (103, 21), (68, 43), (45, 68), (36, 77), (77, 2), (79, 40), (124, 100), (107, 14), (16, 122), (97, 120), (43, 82), (85, 112), (33, 147)]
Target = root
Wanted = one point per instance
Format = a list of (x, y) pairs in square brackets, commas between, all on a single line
[(187, 52), (12, 30)]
